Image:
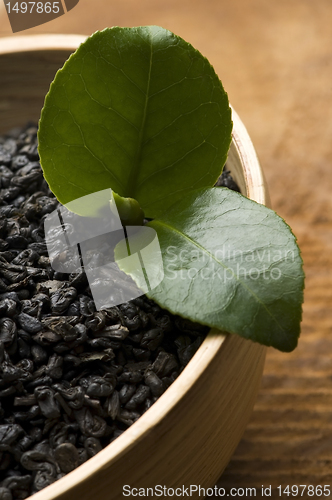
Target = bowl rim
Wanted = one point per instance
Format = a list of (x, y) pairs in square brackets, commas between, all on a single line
[(214, 342)]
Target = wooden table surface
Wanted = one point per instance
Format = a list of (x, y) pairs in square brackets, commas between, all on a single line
[(275, 60)]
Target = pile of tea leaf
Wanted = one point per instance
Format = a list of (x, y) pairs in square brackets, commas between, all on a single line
[(71, 379)]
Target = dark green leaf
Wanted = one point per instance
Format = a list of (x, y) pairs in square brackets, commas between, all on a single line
[(138, 110), (232, 264)]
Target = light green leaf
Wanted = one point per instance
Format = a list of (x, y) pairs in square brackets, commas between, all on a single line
[(232, 264), (138, 110)]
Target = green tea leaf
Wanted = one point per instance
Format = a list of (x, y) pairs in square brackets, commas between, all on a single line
[(138, 110), (129, 211), (232, 264)]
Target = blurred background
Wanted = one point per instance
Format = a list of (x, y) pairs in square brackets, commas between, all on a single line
[(275, 61)]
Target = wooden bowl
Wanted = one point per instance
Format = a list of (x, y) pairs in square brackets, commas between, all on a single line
[(190, 433)]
